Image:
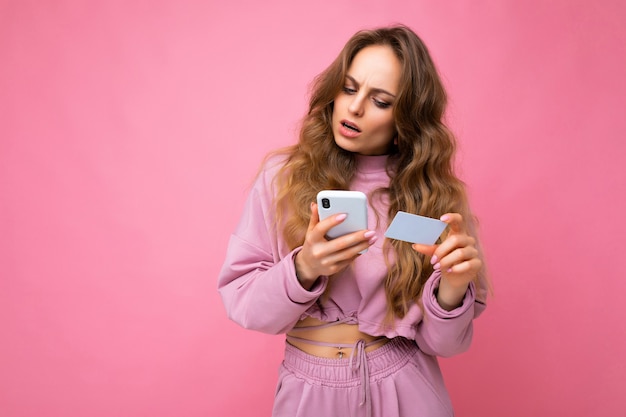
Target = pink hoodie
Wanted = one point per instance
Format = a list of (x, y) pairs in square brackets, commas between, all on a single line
[(260, 290)]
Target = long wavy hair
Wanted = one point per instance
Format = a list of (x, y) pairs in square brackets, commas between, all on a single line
[(420, 163)]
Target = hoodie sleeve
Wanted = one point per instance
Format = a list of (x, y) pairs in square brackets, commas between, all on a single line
[(446, 333), (258, 286)]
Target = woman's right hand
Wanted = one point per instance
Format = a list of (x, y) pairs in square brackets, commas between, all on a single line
[(320, 256)]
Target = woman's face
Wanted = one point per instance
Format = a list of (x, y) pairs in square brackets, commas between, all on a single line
[(363, 111)]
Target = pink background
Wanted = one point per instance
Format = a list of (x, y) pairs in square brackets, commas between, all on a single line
[(130, 132)]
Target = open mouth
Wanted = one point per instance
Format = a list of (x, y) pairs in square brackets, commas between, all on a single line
[(349, 126)]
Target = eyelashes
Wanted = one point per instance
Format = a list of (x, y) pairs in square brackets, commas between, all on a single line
[(378, 103), (381, 104)]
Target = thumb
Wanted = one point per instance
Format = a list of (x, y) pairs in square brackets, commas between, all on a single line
[(315, 217), (427, 250)]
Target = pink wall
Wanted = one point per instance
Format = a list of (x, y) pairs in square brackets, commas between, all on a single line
[(129, 131)]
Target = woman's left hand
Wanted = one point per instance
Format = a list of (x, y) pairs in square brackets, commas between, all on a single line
[(457, 258)]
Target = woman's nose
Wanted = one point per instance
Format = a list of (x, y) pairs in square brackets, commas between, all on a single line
[(356, 106)]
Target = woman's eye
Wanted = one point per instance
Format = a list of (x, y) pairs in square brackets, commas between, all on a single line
[(381, 104), (349, 90)]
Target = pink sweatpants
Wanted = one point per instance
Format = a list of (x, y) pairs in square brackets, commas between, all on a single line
[(395, 380)]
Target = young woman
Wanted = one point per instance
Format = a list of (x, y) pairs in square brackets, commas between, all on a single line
[(363, 330)]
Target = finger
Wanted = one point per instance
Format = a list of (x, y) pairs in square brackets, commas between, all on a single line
[(336, 267), (470, 266), (427, 250), (328, 223), (450, 244), (453, 242), (455, 222), (342, 257), (458, 256), (315, 217), (313, 236), (354, 238)]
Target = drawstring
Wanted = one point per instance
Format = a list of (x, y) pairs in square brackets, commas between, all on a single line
[(358, 362), (358, 358)]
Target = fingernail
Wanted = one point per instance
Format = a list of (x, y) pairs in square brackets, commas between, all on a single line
[(372, 240), (449, 270), (341, 217), (437, 265), (445, 218), (433, 260), (369, 234)]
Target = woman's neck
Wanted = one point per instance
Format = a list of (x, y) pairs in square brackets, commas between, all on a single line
[(371, 163)]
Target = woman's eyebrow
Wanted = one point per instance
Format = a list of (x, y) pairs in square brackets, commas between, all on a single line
[(376, 90)]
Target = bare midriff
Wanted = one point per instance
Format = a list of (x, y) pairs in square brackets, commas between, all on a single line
[(331, 336)]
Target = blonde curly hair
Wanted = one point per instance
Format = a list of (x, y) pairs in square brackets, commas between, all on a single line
[(420, 163)]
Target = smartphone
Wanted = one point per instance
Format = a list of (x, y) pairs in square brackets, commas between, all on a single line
[(352, 203)]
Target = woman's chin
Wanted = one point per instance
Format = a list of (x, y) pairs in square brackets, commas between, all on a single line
[(346, 145)]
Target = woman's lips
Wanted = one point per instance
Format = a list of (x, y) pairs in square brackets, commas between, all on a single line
[(349, 129)]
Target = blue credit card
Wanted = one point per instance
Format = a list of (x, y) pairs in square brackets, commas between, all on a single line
[(415, 229)]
